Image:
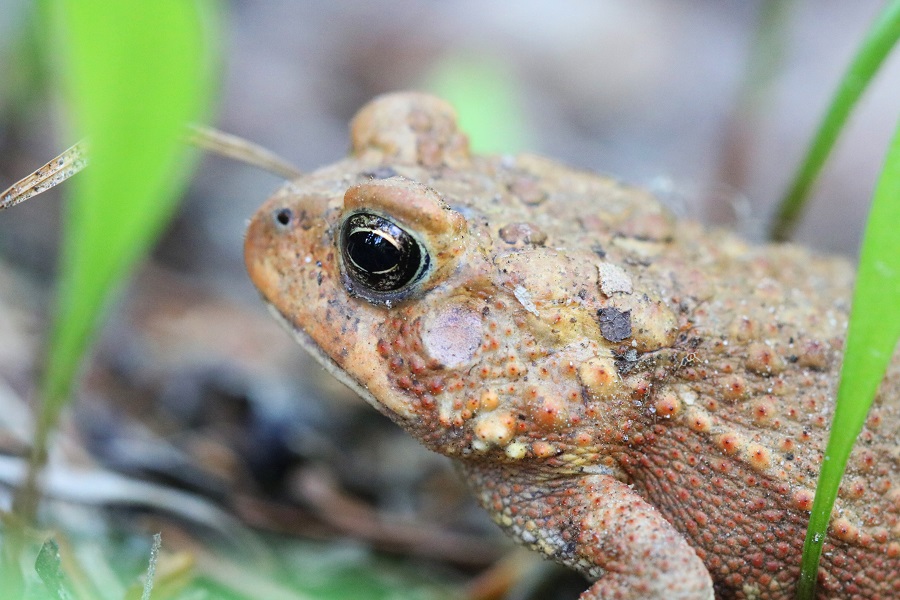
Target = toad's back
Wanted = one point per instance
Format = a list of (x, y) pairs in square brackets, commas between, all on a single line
[(637, 397)]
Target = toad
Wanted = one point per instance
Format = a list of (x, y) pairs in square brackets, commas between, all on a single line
[(640, 398)]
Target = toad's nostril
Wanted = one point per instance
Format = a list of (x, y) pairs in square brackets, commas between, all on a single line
[(283, 216)]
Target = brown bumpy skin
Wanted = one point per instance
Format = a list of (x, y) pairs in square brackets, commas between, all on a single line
[(644, 400)]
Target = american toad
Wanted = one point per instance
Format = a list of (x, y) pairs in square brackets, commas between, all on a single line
[(640, 398)]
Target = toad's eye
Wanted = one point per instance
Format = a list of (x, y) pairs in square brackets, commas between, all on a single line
[(381, 259)]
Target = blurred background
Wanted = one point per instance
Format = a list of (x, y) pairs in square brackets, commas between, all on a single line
[(193, 386)]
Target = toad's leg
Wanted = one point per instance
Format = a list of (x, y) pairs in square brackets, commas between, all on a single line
[(598, 526)]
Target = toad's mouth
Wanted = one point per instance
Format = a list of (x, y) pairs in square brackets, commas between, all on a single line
[(315, 350)]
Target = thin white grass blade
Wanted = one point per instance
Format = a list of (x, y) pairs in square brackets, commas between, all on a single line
[(50, 175)]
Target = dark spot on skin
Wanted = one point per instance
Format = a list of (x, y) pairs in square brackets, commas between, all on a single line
[(793, 358), (626, 361), (598, 250), (382, 172), (789, 456), (284, 216), (615, 325)]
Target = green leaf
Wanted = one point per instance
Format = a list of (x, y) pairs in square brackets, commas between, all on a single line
[(871, 341), (487, 102), (880, 39), (134, 73), (48, 569)]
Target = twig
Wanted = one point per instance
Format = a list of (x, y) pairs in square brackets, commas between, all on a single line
[(355, 518)]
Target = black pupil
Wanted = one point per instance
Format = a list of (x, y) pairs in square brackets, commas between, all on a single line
[(379, 256), (372, 251)]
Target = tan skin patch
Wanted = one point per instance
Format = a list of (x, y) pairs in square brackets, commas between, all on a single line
[(452, 334)]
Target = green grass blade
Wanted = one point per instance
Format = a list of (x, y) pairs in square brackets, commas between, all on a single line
[(880, 39), (871, 340), (135, 72)]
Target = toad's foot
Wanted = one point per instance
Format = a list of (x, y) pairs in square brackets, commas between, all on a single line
[(599, 526)]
